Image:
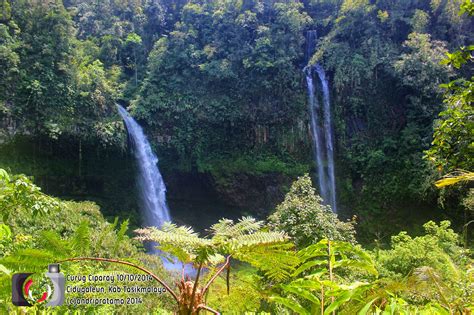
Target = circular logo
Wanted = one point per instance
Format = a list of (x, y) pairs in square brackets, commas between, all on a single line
[(37, 289)]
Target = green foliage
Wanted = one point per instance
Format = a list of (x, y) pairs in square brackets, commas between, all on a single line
[(219, 88), (52, 84), (259, 165), (386, 95), (306, 220), (19, 195), (433, 266), (245, 241), (224, 92), (452, 139), (455, 178), (318, 284), (43, 230), (452, 144), (5, 238), (467, 7), (5, 10), (429, 274), (439, 248), (245, 294)]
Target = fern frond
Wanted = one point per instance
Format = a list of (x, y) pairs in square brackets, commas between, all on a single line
[(81, 239), (258, 238), (171, 235), (343, 255), (276, 261), (227, 228), (29, 259), (120, 235), (4, 270), (55, 245)]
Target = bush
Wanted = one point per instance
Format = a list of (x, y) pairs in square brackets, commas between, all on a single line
[(303, 217)]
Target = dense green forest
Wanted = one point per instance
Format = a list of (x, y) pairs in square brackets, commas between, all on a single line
[(220, 90)]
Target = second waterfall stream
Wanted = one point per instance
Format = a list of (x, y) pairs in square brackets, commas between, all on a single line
[(321, 126)]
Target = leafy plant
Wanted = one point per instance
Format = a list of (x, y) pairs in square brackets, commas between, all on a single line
[(319, 284), (32, 241), (245, 241), (306, 220), (19, 194), (452, 144), (454, 178)]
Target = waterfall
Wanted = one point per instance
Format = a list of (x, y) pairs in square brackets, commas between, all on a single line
[(150, 182), (151, 185), (329, 134), (323, 143), (316, 133)]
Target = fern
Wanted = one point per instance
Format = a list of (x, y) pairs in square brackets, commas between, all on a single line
[(120, 235), (244, 240), (172, 235), (31, 259), (55, 245), (315, 278), (228, 229), (105, 233), (276, 261), (81, 239)]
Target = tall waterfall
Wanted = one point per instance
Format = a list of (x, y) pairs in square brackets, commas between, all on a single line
[(151, 185), (321, 127), (316, 132), (150, 182)]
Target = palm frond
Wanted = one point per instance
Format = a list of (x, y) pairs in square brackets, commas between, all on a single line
[(303, 288), (454, 178)]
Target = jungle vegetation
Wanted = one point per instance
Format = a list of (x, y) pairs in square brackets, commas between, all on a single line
[(218, 86)]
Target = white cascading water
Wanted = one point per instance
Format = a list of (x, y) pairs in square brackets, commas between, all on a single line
[(150, 182), (314, 110), (323, 143), (151, 185), (329, 135)]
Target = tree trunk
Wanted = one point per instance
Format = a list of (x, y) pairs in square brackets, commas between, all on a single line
[(187, 303)]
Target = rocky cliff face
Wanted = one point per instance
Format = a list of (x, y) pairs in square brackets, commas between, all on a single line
[(257, 193)]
